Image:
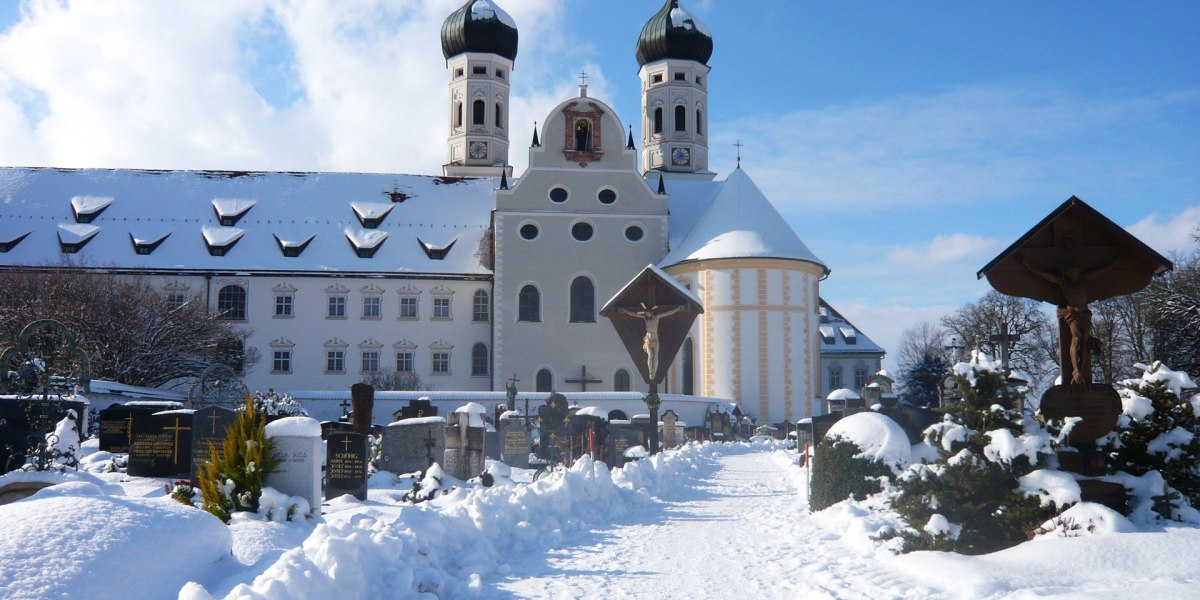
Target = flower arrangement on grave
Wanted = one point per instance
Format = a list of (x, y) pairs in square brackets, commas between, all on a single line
[(969, 501), (1159, 430), (233, 480)]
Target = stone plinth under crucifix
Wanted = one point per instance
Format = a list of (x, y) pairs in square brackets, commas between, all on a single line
[(584, 379), (652, 315), (1073, 257)]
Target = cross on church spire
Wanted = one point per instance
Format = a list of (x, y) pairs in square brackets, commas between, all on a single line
[(583, 84), (739, 146)]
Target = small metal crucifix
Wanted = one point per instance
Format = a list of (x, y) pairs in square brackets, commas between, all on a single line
[(584, 379)]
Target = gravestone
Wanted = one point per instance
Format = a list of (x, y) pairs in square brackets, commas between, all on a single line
[(620, 439), (116, 428), (209, 425), (821, 425), (670, 436), (417, 409), (719, 426), (362, 397), (555, 442), (161, 445), (695, 433), (515, 437), (493, 443), (412, 445), (331, 427), (464, 441), (297, 445), (346, 465), (589, 435)]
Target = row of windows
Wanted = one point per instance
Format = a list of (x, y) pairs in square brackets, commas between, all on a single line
[(231, 305), (369, 361), (581, 231), (582, 304), (560, 194), (480, 70), (680, 120), (837, 381), (679, 76)]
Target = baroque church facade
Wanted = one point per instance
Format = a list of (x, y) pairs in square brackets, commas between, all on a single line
[(473, 277)]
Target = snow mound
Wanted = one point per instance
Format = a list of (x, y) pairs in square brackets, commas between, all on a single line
[(1087, 518), (294, 427), (879, 438), (1177, 381), (110, 547), (1051, 486)]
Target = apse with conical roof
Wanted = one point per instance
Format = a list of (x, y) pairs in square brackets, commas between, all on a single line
[(673, 52), (479, 41)]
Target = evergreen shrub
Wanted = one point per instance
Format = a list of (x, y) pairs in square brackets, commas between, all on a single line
[(838, 475), (232, 481)]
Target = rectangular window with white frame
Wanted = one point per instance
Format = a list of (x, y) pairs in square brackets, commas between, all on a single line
[(441, 363), (335, 361), (372, 307), (337, 308), (281, 361), (408, 307), (284, 306), (441, 308), (404, 362), (176, 299), (370, 361)]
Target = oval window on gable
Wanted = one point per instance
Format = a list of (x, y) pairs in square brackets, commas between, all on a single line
[(606, 196), (559, 194), (529, 231), (582, 231), (634, 233)]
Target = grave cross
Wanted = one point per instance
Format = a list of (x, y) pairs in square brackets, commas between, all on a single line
[(584, 379), (429, 445), (177, 429), (1004, 339), (345, 404), (212, 419), (346, 444)]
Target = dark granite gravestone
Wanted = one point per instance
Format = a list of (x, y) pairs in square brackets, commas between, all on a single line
[(417, 409), (161, 446), (589, 435), (116, 426), (362, 397), (914, 420), (719, 426), (555, 445), (346, 465), (208, 433), (412, 445), (493, 444), (330, 427), (620, 439), (23, 423)]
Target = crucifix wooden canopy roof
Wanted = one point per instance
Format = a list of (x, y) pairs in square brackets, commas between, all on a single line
[(652, 288), (1075, 235)]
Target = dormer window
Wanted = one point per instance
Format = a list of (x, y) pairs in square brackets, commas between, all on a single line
[(231, 210), (144, 247), (292, 249), (371, 214), (87, 208), (849, 335), (11, 242), (220, 240), (827, 334), (436, 252), (72, 238), (366, 242)]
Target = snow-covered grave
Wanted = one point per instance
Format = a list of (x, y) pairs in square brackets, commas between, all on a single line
[(298, 447)]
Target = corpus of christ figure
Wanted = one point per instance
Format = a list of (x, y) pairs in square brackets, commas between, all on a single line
[(1073, 311), (651, 315)]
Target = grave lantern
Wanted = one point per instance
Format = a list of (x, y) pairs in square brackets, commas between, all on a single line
[(652, 315)]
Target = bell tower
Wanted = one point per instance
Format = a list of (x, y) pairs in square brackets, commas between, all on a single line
[(479, 41), (673, 52)]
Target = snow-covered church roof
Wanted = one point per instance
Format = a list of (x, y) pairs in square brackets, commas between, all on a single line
[(839, 336), (739, 222), (232, 221)]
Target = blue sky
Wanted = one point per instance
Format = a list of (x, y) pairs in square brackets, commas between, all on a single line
[(906, 142)]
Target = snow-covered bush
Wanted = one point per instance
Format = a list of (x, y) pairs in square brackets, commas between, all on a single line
[(858, 454), (275, 404), (1159, 431), (970, 501), (233, 480)]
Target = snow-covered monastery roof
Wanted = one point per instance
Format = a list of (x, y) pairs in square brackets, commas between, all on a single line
[(232, 221), (739, 222), (839, 336)]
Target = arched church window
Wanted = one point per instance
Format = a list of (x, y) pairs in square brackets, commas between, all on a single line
[(529, 305), (680, 118), (478, 109), (479, 360), (499, 115), (231, 303), (688, 370), (699, 122), (544, 381), (583, 135), (621, 381), (658, 120), (583, 300)]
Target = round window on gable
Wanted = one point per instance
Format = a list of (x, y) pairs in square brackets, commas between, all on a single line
[(529, 231), (559, 194), (606, 196), (634, 233), (582, 231)]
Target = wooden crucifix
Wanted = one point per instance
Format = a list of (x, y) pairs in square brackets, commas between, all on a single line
[(584, 379)]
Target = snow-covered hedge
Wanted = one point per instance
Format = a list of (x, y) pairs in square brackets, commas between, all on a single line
[(856, 456)]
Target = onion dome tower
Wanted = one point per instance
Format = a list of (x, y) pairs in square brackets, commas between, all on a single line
[(672, 53), (479, 41)]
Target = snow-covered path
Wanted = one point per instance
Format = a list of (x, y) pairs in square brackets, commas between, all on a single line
[(695, 544)]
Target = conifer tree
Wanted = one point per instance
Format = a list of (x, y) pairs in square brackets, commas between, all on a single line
[(233, 480)]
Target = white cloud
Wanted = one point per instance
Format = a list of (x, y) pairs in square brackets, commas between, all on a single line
[(941, 250), (157, 84), (1172, 234)]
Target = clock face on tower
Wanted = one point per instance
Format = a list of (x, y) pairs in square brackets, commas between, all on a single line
[(681, 157), (478, 150)]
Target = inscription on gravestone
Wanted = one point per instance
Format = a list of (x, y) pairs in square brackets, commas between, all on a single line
[(161, 446), (208, 432), (346, 465), (516, 443)]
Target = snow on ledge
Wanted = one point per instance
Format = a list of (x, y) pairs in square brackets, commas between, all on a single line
[(371, 210), (365, 238), (417, 421), (231, 207), (86, 205), (221, 236), (593, 411), (294, 427)]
